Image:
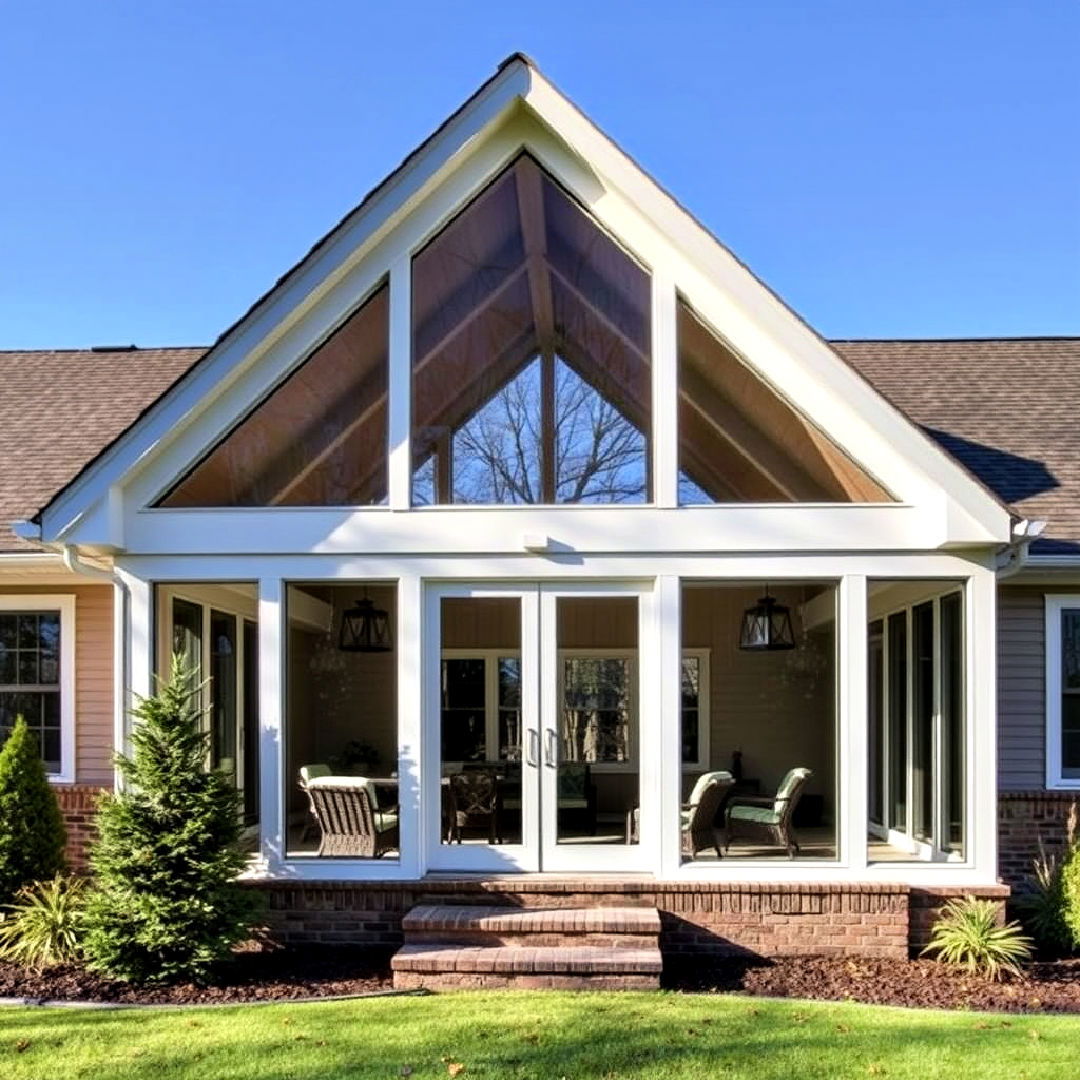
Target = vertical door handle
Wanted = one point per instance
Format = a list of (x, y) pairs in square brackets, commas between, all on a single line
[(552, 749), (532, 752)]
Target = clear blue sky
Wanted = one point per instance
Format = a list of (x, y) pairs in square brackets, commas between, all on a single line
[(890, 168)]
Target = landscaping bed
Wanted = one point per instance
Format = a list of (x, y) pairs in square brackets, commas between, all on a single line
[(256, 975), (1049, 987)]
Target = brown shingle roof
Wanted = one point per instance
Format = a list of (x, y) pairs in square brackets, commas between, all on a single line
[(1008, 409), (1005, 408), (59, 410)]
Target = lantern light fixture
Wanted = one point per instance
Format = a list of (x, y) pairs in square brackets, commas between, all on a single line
[(365, 629), (767, 626)]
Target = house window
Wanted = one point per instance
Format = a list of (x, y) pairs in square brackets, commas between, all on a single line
[(1063, 691), (37, 669)]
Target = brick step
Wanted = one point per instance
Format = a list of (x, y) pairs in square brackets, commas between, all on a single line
[(441, 966), (531, 938), (452, 920)]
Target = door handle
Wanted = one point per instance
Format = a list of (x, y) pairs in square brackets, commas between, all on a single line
[(551, 750), (532, 752)]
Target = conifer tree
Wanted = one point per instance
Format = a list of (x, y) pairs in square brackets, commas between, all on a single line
[(31, 828), (166, 904)]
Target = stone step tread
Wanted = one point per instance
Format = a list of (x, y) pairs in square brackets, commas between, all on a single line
[(575, 959), (597, 920)]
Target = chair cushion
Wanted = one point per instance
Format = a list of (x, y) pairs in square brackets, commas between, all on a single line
[(308, 773), (703, 782), (761, 815)]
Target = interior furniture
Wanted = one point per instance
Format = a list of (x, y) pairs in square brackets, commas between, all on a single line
[(698, 813), (576, 797), (350, 821), (307, 774), (474, 804), (767, 817)]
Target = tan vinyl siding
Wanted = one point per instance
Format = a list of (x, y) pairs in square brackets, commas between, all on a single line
[(93, 676)]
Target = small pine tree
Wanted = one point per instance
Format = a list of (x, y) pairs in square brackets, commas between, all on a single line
[(166, 904), (31, 828)]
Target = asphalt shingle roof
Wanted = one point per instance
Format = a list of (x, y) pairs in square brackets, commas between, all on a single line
[(1007, 409)]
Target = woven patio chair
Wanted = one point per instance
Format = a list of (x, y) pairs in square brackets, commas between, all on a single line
[(349, 817), (757, 816), (474, 804)]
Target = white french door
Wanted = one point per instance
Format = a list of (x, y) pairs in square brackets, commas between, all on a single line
[(536, 753)]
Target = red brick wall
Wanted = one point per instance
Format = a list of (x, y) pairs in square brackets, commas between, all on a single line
[(1026, 818), (926, 905), (78, 805), (721, 918)]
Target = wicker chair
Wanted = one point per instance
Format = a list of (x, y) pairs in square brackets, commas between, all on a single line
[(307, 774), (349, 817), (474, 804), (754, 816), (698, 816)]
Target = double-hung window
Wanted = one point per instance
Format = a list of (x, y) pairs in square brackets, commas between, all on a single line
[(37, 676), (1063, 691)]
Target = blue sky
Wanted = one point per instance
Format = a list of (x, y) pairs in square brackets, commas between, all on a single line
[(891, 169)]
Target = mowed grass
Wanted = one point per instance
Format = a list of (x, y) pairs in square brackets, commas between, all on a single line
[(527, 1035)]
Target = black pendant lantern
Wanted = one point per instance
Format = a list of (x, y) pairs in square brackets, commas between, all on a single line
[(766, 627), (365, 628)]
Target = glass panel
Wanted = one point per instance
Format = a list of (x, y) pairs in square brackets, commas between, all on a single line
[(341, 728), (740, 441), (531, 337), (898, 721), (952, 722), (319, 439), (1070, 687), (187, 627), (481, 737), (597, 724), (922, 774), (29, 678), (772, 720), (876, 732), (691, 704), (251, 722), (223, 695)]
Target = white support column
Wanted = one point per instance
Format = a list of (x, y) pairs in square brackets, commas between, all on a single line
[(410, 614), (271, 723), (665, 392), (400, 385), (668, 661), (853, 743), (134, 635), (980, 678)]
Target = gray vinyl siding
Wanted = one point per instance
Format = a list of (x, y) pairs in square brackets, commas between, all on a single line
[(1021, 688)]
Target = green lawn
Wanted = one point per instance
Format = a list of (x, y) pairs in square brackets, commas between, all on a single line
[(546, 1036)]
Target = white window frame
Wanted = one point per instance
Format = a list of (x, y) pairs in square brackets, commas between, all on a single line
[(64, 604), (1056, 605), (491, 658)]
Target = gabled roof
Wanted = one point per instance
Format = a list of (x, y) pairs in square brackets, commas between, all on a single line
[(303, 305), (1005, 408), (59, 410)]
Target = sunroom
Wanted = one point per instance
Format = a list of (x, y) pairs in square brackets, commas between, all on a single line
[(520, 529)]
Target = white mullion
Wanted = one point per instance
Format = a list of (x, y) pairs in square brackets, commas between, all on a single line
[(272, 807), (937, 757), (399, 383), (909, 720), (980, 680), (851, 766), (668, 665), (491, 705), (665, 391), (411, 679)]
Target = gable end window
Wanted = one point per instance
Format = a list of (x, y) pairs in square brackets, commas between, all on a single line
[(1063, 691), (37, 676)]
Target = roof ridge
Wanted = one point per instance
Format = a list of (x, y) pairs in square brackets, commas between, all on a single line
[(98, 350), (918, 340)]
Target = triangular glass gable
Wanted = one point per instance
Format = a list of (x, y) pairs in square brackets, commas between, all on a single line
[(319, 439)]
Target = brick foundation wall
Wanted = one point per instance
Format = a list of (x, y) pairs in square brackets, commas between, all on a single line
[(1026, 818), (926, 903), (78, 806), (722, 918)]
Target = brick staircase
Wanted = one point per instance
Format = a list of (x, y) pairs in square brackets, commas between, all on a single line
[(468, 947)]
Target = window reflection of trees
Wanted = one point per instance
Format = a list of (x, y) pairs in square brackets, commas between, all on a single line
[(597, 709)]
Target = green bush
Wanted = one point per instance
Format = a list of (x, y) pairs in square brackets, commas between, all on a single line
[(968, 935), (1070, 894), (166, 904), (31, 828), (44, 926), (1051, 910)]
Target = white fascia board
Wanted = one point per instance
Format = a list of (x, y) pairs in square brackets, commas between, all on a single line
[(764, 310), (300, 290)]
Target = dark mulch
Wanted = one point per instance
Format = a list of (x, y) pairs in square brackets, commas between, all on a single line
[(1049, 987), (255, 975)]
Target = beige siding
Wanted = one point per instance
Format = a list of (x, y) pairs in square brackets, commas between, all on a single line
[(93, 676)]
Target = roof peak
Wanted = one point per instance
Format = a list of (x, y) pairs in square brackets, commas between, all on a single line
[(916, 340)]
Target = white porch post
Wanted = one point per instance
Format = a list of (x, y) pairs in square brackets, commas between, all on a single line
[(410, 666), (400, 385), (668, 663), (271, 726), (853, 742), (665, 392), (980, 675), (137, 637)]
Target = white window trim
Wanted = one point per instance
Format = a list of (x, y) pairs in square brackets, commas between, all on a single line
[(1056, 604), (491, 707), (64, 603)]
